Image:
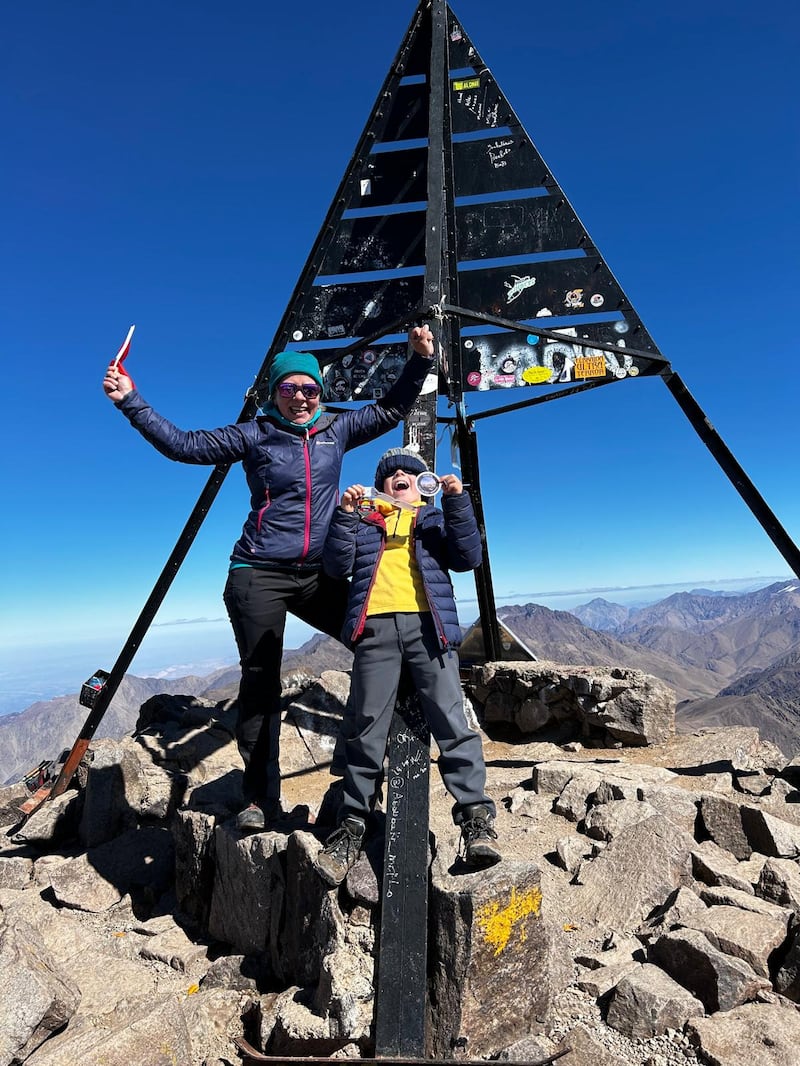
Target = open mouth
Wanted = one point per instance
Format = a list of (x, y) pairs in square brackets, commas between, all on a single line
[(401, 483)]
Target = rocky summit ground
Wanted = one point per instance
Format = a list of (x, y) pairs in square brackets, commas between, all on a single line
[(645, 912)]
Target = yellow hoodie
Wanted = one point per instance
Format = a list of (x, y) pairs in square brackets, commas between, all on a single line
[(398, 582)]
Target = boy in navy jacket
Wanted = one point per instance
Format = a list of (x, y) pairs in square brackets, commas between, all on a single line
[(401, 610)]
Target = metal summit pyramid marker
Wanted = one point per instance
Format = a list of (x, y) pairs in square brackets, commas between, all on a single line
[(448, 214), (445, 168)]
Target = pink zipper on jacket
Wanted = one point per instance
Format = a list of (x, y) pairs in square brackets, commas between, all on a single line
[(307, 512), (267, 502)]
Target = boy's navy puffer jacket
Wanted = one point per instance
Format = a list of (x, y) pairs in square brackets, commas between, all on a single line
[(293, 476), (442, 541)]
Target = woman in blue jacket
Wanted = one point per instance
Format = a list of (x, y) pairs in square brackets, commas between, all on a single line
[(292, 454)]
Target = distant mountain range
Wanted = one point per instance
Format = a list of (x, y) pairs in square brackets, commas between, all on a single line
[(560, 637), (45, 729), (731, 659)]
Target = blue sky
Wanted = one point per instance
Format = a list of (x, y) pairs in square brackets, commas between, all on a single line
[(170, 165)]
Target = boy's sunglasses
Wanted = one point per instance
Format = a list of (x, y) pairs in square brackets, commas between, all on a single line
[(287, 390)]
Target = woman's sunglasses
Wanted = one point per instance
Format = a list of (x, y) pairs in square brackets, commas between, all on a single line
[(287, 390)]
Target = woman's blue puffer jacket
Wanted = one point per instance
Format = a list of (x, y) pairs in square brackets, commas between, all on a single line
[(443, 540), (293, 477)]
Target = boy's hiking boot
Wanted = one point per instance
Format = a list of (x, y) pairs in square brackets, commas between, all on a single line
[(341, 850), (255, 818), (251, 819), (478, 837)]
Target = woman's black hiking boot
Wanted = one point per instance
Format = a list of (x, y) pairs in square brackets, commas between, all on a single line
[(341, 850)]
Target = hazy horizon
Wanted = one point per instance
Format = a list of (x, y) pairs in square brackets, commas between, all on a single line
[(198, 646)]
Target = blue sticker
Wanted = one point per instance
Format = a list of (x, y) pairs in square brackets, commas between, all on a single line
[(532, 338)]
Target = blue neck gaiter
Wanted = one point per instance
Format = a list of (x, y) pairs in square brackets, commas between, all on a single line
[(273, 412)]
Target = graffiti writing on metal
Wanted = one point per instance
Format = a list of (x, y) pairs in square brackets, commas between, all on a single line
[(411, 764)]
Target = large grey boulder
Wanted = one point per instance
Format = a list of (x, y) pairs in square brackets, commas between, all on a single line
[(37, 999), (54, 822), (104, 809), (720, 981), (743, 934), (248, 891), (316, 713), (715, 866), (726, 750), (756, 1034), (779, 881), (313, 922), (722, 821), (770, 835), (124, 786), (154, 1034), (651, 859), (605, 821), (647, 1002), (489, 936), (193, 834), (139, 862)]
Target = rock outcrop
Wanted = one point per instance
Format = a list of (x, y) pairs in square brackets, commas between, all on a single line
[(615, 705), (647, 910)]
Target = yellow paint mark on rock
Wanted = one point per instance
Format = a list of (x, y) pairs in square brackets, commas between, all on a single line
[(498, 923)]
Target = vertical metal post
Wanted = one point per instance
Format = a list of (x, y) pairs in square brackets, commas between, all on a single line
[(401, 995)]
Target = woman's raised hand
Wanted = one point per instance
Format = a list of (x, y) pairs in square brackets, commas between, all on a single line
[(116, 383), (421, 340)]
